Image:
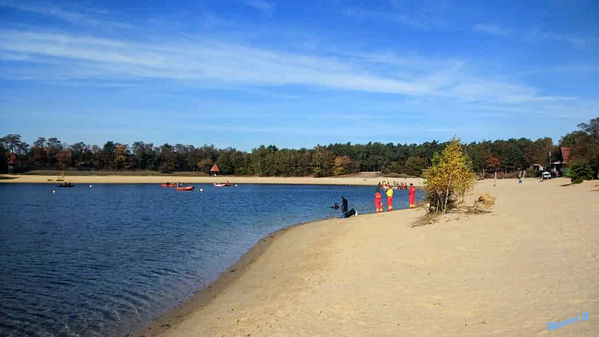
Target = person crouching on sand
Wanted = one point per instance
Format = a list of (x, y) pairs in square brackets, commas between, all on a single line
[(390, 199), (378, 203), (412, 196)]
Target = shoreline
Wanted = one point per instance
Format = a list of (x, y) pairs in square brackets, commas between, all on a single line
[(375, 274), (126, 179), (205, 295)]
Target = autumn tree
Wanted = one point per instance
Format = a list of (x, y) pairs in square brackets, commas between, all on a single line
[(204, 165), (584, 161), (493, 163), (342, 164), (120, 156), (449, 177), (322, 162), (64, 158)]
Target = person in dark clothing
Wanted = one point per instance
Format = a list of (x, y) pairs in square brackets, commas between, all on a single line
[(335, 206), (350, 213), (343, 205)]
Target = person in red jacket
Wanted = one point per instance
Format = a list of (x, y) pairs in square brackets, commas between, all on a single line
[(412, 196), (378, 202)]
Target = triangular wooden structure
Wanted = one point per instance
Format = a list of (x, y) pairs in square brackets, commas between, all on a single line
[(214, 170)]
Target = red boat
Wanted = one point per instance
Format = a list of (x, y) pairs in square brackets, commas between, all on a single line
[(185, 188), (227, 184), (168, 185)]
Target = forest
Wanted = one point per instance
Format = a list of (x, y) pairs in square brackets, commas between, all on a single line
[(323, 160)]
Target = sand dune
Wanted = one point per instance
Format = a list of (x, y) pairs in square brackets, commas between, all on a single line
[(533, 260)]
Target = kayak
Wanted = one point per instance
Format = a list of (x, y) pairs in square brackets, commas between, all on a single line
[(168, 185), (219, 185), (185, 188)]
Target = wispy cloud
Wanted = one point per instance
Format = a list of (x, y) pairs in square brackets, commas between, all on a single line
[(72, 17), (491, 29), (266, 7), (384, 15), (536, 34), (420, 15), (201, 60)]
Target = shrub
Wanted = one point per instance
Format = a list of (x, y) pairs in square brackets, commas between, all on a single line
[(580, 172), (483, 203), (449, 177), (530, 173)]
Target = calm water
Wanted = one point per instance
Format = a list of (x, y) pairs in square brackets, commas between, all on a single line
[(102, 261)]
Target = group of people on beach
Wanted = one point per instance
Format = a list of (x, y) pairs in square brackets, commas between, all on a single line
[(378, 202), (388, 190)]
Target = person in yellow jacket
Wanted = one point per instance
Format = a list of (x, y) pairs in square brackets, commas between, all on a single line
[(390, 199)]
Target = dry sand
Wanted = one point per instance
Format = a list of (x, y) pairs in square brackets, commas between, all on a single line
[(507, 273), (361, 179)]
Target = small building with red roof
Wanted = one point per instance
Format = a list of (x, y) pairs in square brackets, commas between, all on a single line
[(214, 170)]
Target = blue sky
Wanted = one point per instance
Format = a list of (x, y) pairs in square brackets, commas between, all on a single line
[(296, 73)]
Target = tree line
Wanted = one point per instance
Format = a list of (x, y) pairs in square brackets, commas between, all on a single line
[(330, 160)]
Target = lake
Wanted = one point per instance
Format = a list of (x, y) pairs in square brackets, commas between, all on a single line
[(102, 261)]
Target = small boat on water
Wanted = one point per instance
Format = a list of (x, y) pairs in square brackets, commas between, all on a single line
[(227, 184), (65, 184), (185, 188)]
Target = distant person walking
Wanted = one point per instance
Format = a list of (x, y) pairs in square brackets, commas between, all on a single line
[(343, 205), (389, 199), (378, 202), (412, 196)]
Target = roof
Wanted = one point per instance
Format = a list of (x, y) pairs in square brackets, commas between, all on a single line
[(566, 152), (214, 168)]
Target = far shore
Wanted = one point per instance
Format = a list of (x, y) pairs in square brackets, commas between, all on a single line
[(367, 180)]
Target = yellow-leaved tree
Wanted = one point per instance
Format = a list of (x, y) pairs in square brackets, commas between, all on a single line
[(449, 177)]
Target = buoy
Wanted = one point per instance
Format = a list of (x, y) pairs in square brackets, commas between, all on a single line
[(53, 191), (201, 190), (235, 185), (90, 185)]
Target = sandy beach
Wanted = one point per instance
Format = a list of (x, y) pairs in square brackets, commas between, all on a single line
[(360, 179), (532, 260)]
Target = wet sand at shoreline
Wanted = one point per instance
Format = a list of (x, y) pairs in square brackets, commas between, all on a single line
[(534, 259)]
